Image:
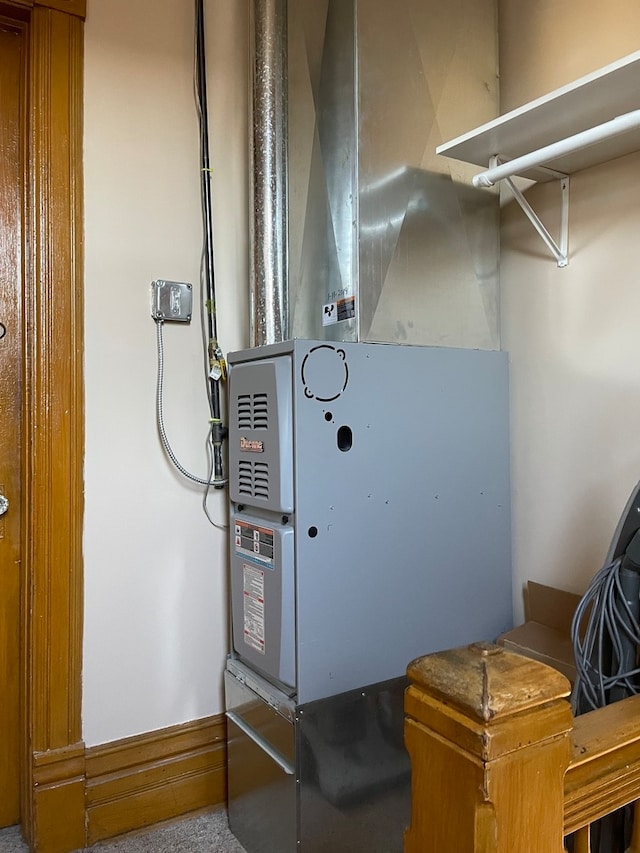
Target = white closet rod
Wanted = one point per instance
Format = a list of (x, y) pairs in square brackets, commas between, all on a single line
[(543, 156)]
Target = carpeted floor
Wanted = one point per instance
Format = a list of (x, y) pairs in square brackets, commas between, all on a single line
[(203, 833)]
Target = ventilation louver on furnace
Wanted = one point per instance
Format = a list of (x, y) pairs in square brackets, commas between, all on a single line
[(253, 479), (253, 411), (253, 474)]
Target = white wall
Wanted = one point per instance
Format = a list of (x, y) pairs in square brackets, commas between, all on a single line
[(572, 334), (155, 612), (155, 632)]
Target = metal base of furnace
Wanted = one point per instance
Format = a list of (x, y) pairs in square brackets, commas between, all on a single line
[(329, 775)]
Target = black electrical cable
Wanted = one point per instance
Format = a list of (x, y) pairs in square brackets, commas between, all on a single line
[(218, 431), (603, 625), (605, 633), (606, 636)]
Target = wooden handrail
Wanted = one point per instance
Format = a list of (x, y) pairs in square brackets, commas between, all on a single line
[(499, 765), (604, 772)]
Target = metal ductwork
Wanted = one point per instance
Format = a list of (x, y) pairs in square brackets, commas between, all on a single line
[(360, 231), (268, 238)]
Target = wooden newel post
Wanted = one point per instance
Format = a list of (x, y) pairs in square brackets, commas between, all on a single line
[(488, 736)]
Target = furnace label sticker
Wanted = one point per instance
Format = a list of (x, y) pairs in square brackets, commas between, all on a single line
[(336, 312), (253, 607), (254, 542)]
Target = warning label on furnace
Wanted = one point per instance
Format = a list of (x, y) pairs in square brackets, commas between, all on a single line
[(253, 607), (336, 312)]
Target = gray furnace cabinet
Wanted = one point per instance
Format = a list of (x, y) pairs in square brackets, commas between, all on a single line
[(370, 522)]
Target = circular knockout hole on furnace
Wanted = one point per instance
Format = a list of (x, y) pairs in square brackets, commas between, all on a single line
[(345, 439), (313, 532)]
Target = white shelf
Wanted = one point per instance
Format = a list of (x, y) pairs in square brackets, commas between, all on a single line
[(588, 102)]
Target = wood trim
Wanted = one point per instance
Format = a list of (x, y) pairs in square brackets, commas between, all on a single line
[(14, 48), (71, 7), (58, 799), (10, 7), (604, 773), (498, 788), (152, 777), (53, 439), (69, 797)]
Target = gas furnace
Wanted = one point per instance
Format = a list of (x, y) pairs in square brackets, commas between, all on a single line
[(369, 488)]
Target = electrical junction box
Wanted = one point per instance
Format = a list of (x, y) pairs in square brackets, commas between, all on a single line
[(171, 300)]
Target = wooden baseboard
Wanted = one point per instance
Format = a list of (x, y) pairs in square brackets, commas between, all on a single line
[(58, 810), (141, 780)]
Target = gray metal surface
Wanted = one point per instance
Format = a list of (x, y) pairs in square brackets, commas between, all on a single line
[(403, 540), (355, 786), (322, 148), (374, 216), (352, 772), (281, 701), (261, 435), (401, 521), (171, 300), (428, 240), (261, 794), (263, 595), (268, 186)]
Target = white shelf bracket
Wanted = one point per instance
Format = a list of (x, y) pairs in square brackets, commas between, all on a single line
[(560, 249)]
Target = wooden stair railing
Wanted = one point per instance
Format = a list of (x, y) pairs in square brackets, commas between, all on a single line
[(499, 764), (604, 772)]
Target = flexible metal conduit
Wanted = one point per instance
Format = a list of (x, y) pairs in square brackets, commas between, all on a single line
[(269, 295)]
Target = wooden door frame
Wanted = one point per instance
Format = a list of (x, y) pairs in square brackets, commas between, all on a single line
[(52, 763)]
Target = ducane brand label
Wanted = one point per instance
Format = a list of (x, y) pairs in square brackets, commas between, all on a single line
[(252, 445)]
